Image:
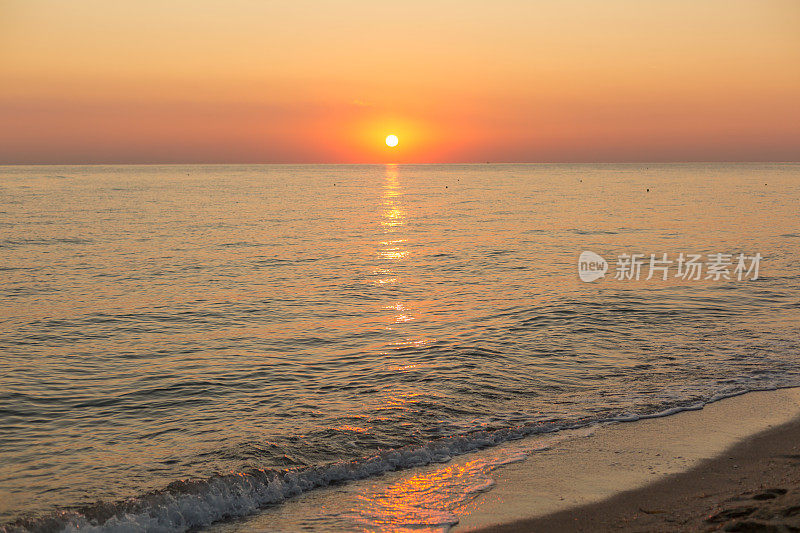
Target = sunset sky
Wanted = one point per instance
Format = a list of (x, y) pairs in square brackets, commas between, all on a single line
[(457, 81)]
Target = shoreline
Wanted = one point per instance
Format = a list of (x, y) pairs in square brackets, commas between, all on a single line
[(695, 471), (544, 482), (665, 472)]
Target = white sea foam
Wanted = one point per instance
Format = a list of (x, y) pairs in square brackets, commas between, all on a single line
[(197, 504)]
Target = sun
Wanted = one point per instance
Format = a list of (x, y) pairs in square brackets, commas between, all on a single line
[(392, 140)]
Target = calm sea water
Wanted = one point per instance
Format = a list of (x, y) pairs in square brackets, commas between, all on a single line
[(185, 344)]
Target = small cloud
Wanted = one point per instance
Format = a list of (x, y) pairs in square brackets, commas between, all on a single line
[(362, 103)]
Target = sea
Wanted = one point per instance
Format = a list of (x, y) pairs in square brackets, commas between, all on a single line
[(186, 346)]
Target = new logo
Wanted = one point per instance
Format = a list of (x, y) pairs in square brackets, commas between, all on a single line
[(591, 266)]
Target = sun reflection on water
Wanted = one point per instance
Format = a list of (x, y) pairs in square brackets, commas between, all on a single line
[(393, 249), (426, 501), (393, 215)]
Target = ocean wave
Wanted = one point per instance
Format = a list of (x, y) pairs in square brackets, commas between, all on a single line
[(184, 505), (189, 504)]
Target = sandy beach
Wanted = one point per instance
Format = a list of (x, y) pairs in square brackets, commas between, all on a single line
[(732, 466)]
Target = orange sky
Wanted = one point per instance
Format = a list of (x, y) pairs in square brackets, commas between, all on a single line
[(458, 81)]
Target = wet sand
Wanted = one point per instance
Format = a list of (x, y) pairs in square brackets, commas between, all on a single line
[(733, 466)]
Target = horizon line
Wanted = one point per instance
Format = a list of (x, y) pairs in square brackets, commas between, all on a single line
[(474, 163)]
